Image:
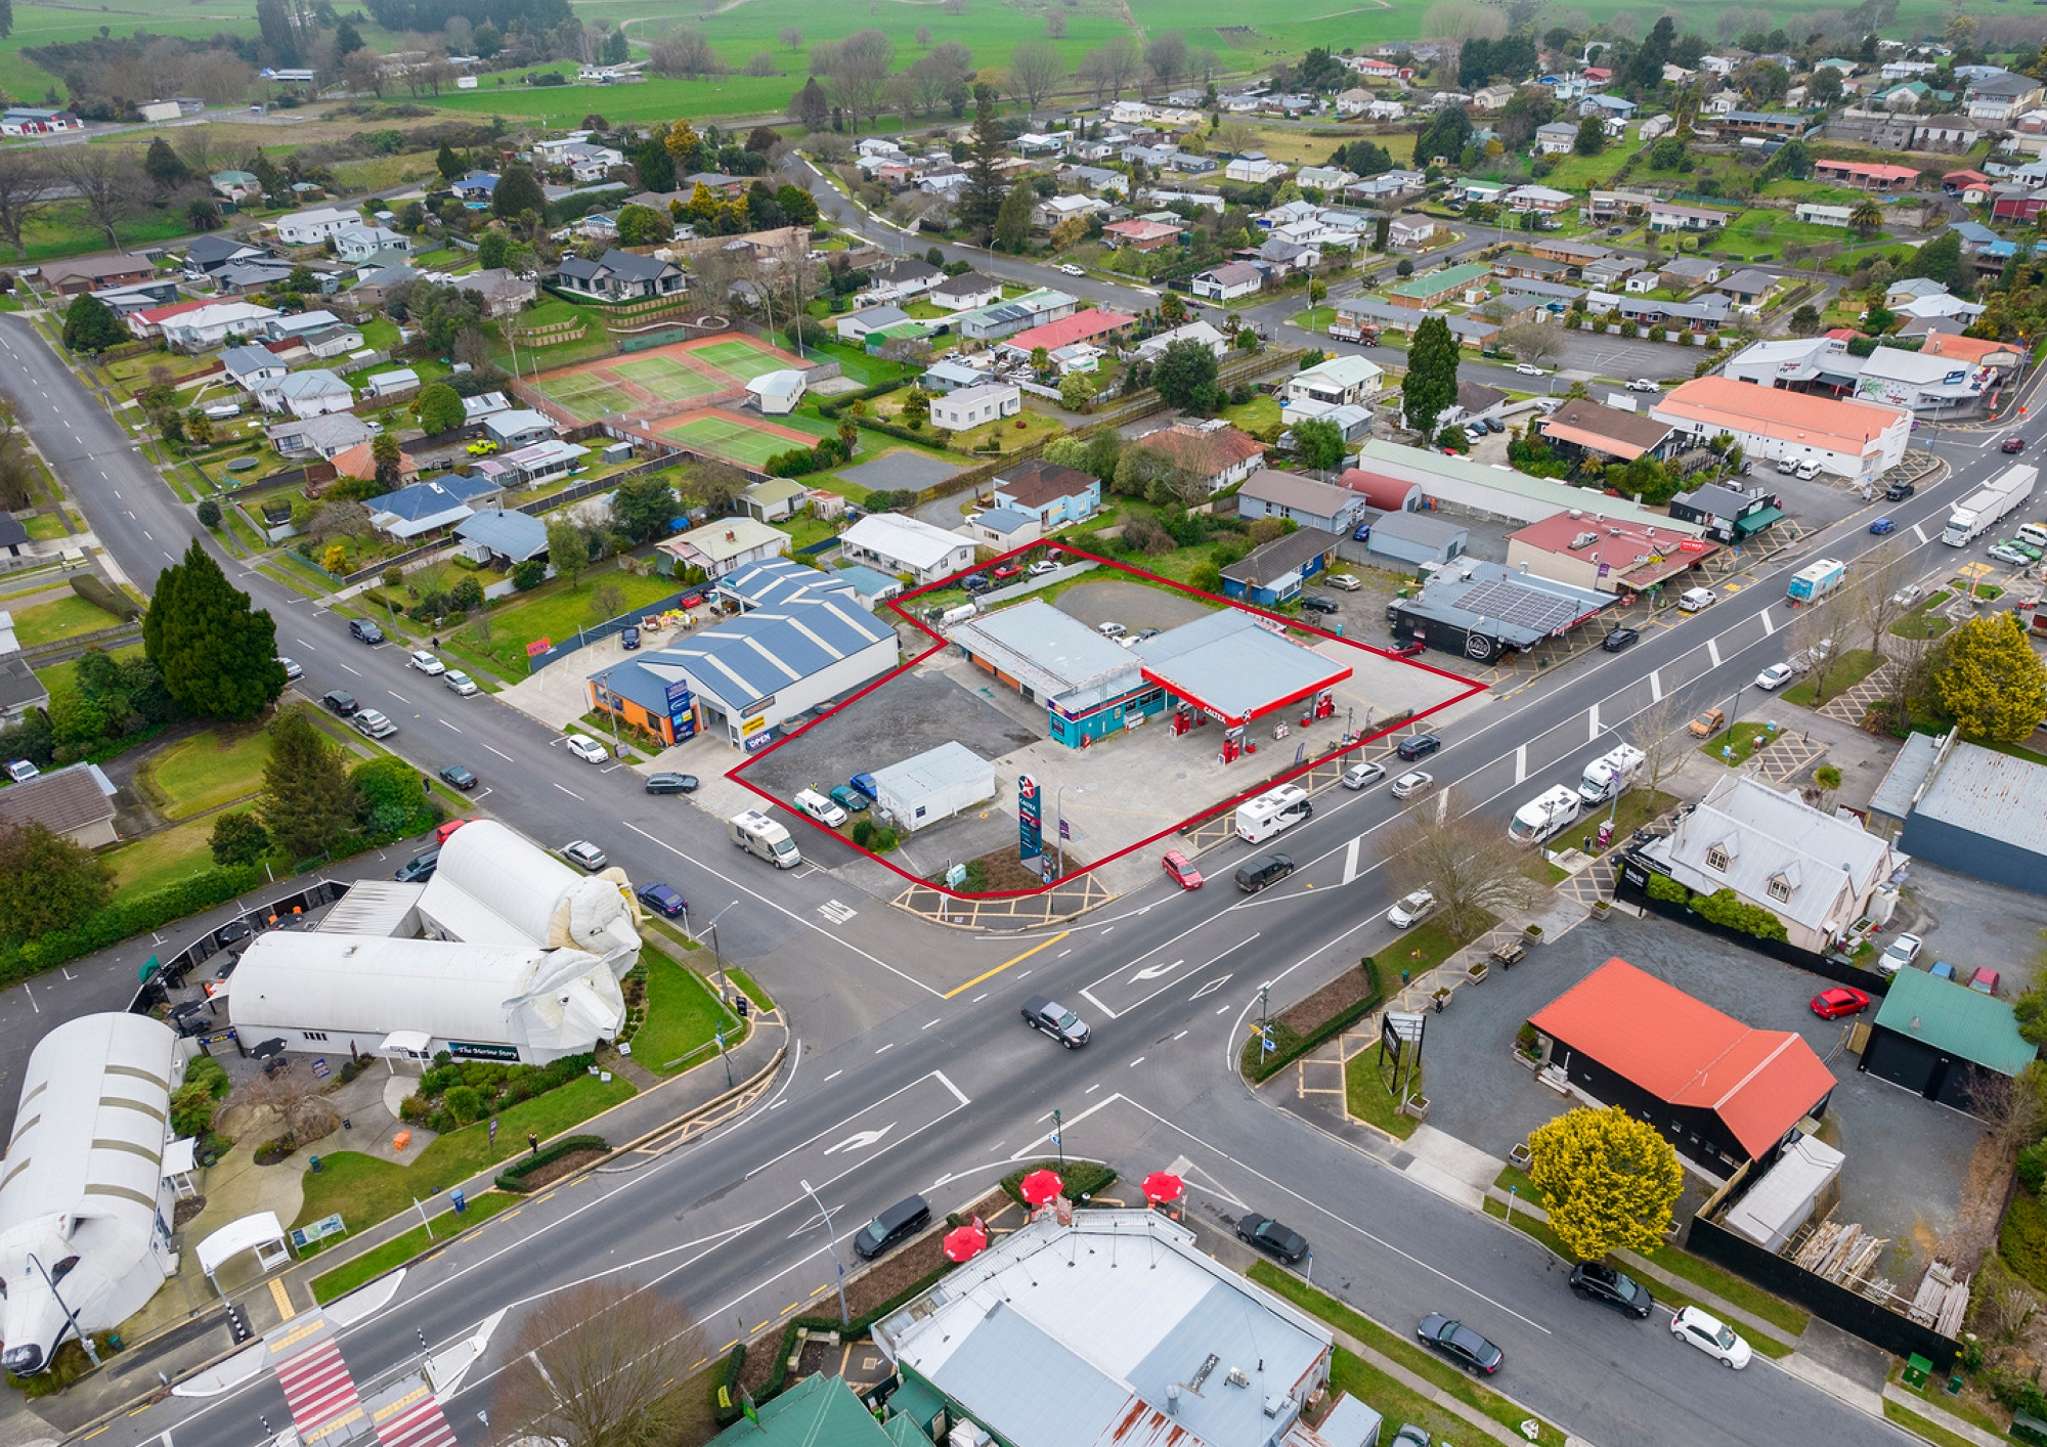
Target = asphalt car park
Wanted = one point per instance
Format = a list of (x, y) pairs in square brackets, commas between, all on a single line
[(1970, 924)]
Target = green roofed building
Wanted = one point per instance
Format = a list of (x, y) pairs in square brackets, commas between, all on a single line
[(819, 1411), (1419, 293), (1941, 1038)]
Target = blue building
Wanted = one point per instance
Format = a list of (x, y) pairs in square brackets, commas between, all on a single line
[(1053, 494), (1090, 687), (1275, 573)]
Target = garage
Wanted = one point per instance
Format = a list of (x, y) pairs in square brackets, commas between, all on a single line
[(1941, 1039)]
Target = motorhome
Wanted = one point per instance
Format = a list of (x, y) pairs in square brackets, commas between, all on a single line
[(763, 838), (1271, 812), (1545, 814), (1610, 773)]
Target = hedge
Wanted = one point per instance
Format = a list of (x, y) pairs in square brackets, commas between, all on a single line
[(1082, 1178), (1258, 1067), (513, 1177), (725, 1387), (104, 595), (124, 918)]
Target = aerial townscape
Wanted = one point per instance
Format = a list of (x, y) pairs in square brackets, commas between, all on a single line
[(1023, 723)]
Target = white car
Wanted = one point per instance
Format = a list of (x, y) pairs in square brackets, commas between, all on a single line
[(1408, 785), (1343, 582), (291, 668), (1359, 776), (1411, 910), (1899, 953), (1071, 270), (1528, 369), (1042, 567), (1643, 384), (460, 682), (425, 662), (371, 724), (1112, 629), (1712, 1336), (586, 748), (818, 807), (1775, 677)]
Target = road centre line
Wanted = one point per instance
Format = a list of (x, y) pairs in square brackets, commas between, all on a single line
[(989, 974)]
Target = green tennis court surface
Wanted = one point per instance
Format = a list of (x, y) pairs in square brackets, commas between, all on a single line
[(665, 377), (722, 437), (742, 358), (585, 395)]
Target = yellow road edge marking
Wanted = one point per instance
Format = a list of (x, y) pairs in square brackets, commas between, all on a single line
[(987, 975)]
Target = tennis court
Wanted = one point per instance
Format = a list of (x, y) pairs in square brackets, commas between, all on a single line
[(586, 396), (741, 356), (734, 436), (662, 380)]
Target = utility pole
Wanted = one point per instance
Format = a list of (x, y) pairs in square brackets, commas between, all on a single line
[(84, 1338), (831, 1240), (1059, 1138)]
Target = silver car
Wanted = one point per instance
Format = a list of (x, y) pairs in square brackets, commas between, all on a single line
[(583, 852), (460, 682), (1413, 784)]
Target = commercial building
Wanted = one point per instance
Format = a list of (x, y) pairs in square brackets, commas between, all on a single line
[(1484, 611), (83, 1182), (897, 543), (1855, 440), (1042, 1340), (1429, 291), (1414, 538), (1090, 688), (1459, 484), (497, 887), (1729, 514), (1926, 384), (1964, 808), (1723, 1093), (1232, 667), (1624, 559), (779, 581), (933, 786), (1944, 1040)]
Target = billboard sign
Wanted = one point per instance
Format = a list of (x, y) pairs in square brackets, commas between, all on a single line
[(1029, 818)]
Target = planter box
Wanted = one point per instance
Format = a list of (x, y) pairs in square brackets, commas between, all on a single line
[(1417, 1107), (1532, 933), (1476, 973), (1520, 1155)]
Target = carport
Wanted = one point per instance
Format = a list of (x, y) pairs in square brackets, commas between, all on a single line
[(1230, 666)]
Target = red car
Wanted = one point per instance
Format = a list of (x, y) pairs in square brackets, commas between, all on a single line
[(1180, 869), (2014, 443), (1410, 649), (441, 834), (1839, 1001), (1006, 571)]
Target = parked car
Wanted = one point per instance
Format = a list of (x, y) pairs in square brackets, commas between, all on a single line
[(818, 807), (1315, 603), (1899, 491), (1042, 567), (1943, 970), (2007, 553), (425, 662), (586, 748), (1985, 980), (233, 933), (666, 782), (895, 1225), (1413, 784), (582, 852), (1618, 638), (1899, 953), (445, 828), (1411, 909), (1343, 582), (339, 702), (1413, 648), (365, 630), (1527, 369), (1839, 1001), (20, 771), (1708, 723), (1596, 1281), (1180, 869), (1071, 270), (976, 583), (1460, 1344), (629, 637), (372, 724), (1906, 596), (1712, 1336), (420, 868), (461, 776), (460, 683), (1272, 1238), (1359, 776), (1003, 572), (2011, 444), (664, 899), (1775, 677), (1643, 384), (847, 798), (1111, 629), (1052, 1018), (291, 669), (1418, 747), (1883, 526)]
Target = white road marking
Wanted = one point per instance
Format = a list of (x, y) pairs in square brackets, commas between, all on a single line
[(399, 696), (502, 754), (1769, 628), (1592, 724), (1655, 688), (1713, 651), (1137, 1062), (570, 792), (351, 671), (446, 725), (1350, 859), (833, 1076), (1520, 763), (1919, 532), (837, 911), (929, 1023)]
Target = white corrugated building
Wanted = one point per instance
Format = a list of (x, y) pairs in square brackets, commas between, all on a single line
[(930, 787), (82, 1186), (493, 886)]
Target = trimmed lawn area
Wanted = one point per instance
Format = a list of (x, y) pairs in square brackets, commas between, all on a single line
[(683, 1016), (401, 1249), (1426, 946), (208, 769), (44, 527), (1920, 1426), (1637, 807), (1925, 620), (162, 858), (1315, 318), (1010, 433), (64, 618), (805, 530), (1393, 1399), (762, 1000), (365, 1190), (1574, 172), (552, 611), (1366, 1096), (1843, 672), (1739, 739), (1254, 416)]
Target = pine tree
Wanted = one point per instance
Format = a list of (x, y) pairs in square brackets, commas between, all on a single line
[(308, 802), (1013, 220), (165, 166), (448, 163), (1431, 382), (810, 106), (217, 655), (981, 199), (47, 882)]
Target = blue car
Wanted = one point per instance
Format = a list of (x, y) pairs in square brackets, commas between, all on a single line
[(664, 899), (1882, 526), (1942, 970), (630, 637)]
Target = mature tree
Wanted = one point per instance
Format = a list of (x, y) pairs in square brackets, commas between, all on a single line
[(1165, 56), (1472, 868), (1990, 681), (855, 70), (1866, 219), (1658, 731), (1536, 342), (440, 408), (217, 655), (603, 1364), (685, 53), (1444, 135), (1430, 385), (165, 166), (568, 548), (1941, 260), (654, 166), (643, 507), (1185, 376), (712, 487), (1608, 1181), (986, 188), (450, 165), (105, 181), (1034, 68), (91, 326), (307, 801), (27, 184), (1591, 137), (1013, 220), (237, 838), (1319, 444), (1805, 321), (47, 883), (1825, 87), (517, 192), (810, 107), (644, 226), (1076, 390)]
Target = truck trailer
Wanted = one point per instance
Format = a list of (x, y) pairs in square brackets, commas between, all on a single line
[(1988, 505)]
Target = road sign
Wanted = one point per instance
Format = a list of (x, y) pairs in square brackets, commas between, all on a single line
[(1265, 1045)]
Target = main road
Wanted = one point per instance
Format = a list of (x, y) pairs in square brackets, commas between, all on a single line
[(899, 1084)]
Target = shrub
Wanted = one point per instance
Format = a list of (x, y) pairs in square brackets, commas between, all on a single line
[(2033, 1166), (238, 838), (209, 513), (104, 595), (465, 1103), (1081, 1178), (414, 1109), (124, 917), (192, 1107), (512, 1177), (1663, 887)]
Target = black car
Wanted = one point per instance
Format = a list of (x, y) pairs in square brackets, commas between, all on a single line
[(1057, 1021), (339, 702), (1603, 1284), (233, 933), (976, 583), (2013, 444), (365, 630), (1316, 604), (629, 638), (898, 1223), (420, 868), (1899, 491), (459, 775), (1618, 638), (1460, 1343), (667, 783), (664, 899), (1272, 1238), (1418, 747)]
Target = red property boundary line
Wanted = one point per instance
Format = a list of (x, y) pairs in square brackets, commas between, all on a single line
[(1468, 687)]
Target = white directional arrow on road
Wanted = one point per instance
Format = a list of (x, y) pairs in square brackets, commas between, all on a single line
[(860, 1140), (1154, 971)]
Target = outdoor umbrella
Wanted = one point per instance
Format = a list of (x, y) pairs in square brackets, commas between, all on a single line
[(1041, 1186), (964, 1243), (1161, 1187)]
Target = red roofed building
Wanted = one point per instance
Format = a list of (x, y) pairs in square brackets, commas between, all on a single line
[(1976, 351), (1611, 557), (1213, 451), (149, 321), (1855, 440), (1723, 1093), (1867, 175), (1080, 327), (1388, 494), (1141, 235), (1958, 183)]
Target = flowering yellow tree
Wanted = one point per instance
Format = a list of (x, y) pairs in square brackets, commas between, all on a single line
[(1608, 1181)]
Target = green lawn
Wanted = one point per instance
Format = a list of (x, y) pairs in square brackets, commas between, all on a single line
[(211, 768), (1925, 620), (44, 527), (162, 858), (761, 999), (1392, 1398), (1254, 416), (552, 611), (402, 1248), (1636, 808), (64, 618), (1426, 946), (683, 1016), (1740, 739), (1574, 172), (365, 1189), (1315, 318), (1923, 1427), (1762, 234), (1843, 672), (1365, 1093), (61, 679)]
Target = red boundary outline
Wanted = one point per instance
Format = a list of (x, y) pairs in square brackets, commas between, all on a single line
[(938, 642)]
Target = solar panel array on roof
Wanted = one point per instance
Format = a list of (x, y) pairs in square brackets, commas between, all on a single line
[(1507, 600)]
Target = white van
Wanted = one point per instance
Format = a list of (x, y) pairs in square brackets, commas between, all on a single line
[(1695, 600), (1806, 471), (1275, 810), (763, 838), (1545, 814), (818, 807)]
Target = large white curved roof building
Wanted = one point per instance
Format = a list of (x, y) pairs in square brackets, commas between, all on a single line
[(495, 886)]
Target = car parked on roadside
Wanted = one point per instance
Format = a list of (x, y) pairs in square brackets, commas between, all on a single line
[(1839, 1001), (664, 899), (338, 701), (1418, 747), (1362, 775), (1618, 638), (459, 683), (365, 630), (1049, 1017), (292, 671), (1411, 909), (372, 724), (586, 748), (1775, 677), (1459, 1343), (667, 782), (1180, 869), (583, 853), (895, 1225), (1272, 1238), (1712, 1336), (1528, 369), (459, 776), (1596, 1281), (1413, 784), (420, 868), (425, 662), (2008, 553)]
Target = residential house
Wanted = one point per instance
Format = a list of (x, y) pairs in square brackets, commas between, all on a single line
[(1867, 175), (1608, 434), (1432, 289), (1055, 209), (253, 369), (1210, 450), (1816, 213), (482, 405), (318, 226), (1602, 206), (1665, 216), (429, 505), (1543, 200), (1747, 288), (322, 435), (1154, 346), (1052, 494), (1708, 314), (75, 803), (1491, 97), (775, 499), (896, 543), (68, 276), (1728, 513), (1229, 281), (1139, 234), (964, 292), (363, 243), (1338, 382), (518, 427), (856, 326), (1616, 110), (1352, 103), (1944, 133), (533, 464), (1684, 273), (1387, 186), (202, 328), (1999, 99), (205, 255), (620, 276), (476, 186), (1273, 574), (1410, 229), (235, 187), (726, 545), (1323, 178), (1091, 325), (898, 281), (1312, 504), (972, 406), (504, 293), (307, 394), (1555, 138), (587, 163), (1254, 168)]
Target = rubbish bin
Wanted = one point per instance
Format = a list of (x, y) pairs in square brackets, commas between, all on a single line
[(461, 1202)]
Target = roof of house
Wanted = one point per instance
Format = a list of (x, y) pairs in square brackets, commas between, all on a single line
[(510, 534), (1347, 370), (243, 360), (772, 581), (1036, 482), (1952, 1018), (1760, 1083), (1283, 555), (1435, 283), (1746, 282), (1617, 433), (216, 248), (1956, 347), (967, 283), (359, 460), (330, 431), (1234, 273), (1138, 229), (61, 801), (1429, 530), (908, 540), (726, 538), (19, 685), (753, 655), (1294, 492), (316, 382), (1202, 451), (819, 1411), (1080, 327), (430, 497)]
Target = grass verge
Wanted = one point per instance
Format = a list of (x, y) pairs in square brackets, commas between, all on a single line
[(1366, 1097), (1739, 740), (402, 1248), (762, 1000), (683, 1016), (1842, 674), (1918, 1426)]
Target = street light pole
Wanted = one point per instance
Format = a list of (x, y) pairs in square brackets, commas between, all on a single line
[(831, 1240), (71, 1317), (1059, 1137)]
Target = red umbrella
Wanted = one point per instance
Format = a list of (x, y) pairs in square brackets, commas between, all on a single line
[(964, 1243), (1041, 1186), (1161, 1187)]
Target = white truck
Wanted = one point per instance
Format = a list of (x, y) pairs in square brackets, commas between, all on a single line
[(1260, 818), (1988, 504), (763, 838), (1610, 773), (1545, 814)]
